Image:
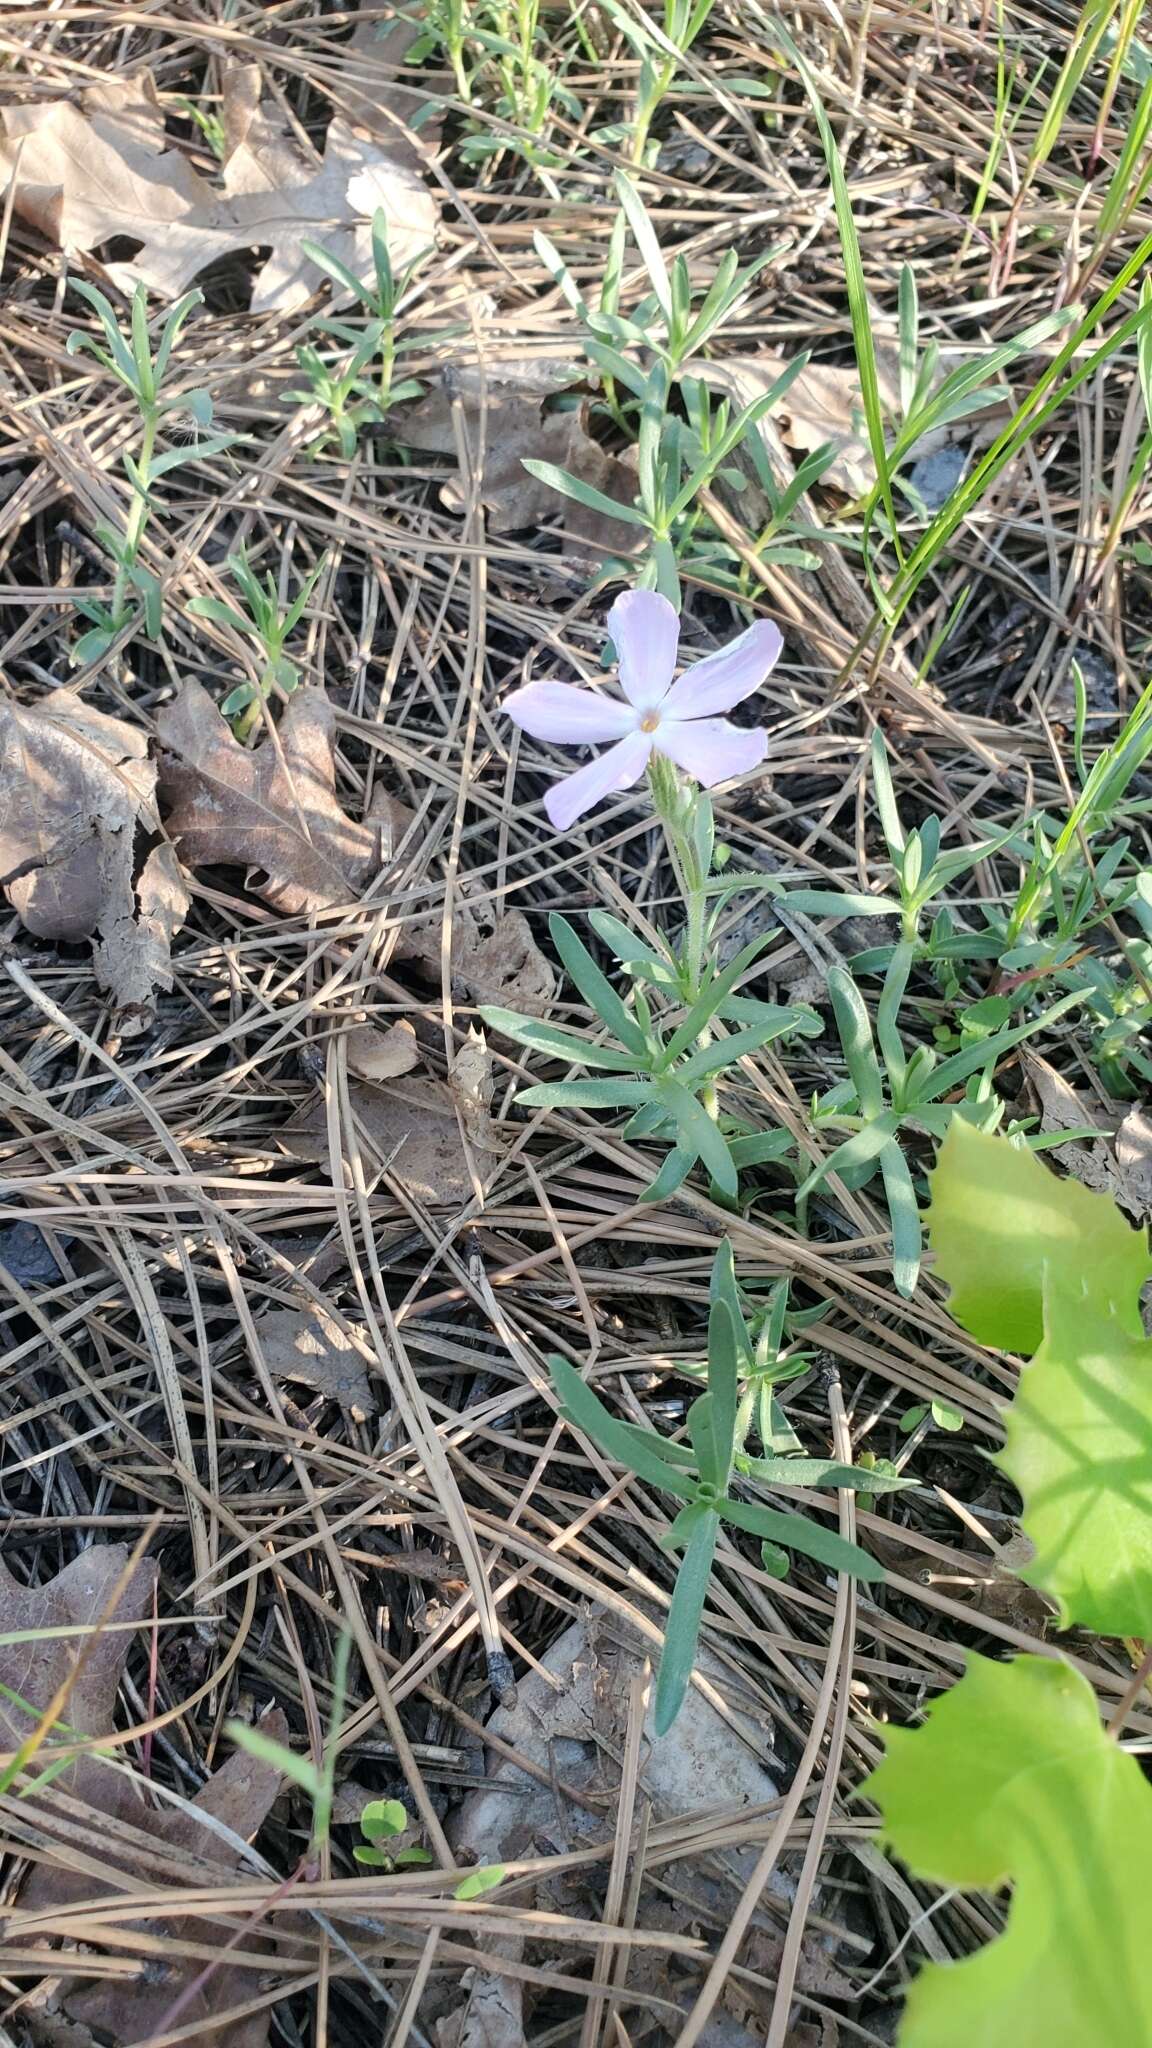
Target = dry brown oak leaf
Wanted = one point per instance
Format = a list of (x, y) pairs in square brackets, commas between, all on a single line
[(505, 413), (239, 1796), (77, 1598), (98, 167), (273, 810), (75, 786)]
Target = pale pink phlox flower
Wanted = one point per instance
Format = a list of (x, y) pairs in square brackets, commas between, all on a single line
[(658, 716)]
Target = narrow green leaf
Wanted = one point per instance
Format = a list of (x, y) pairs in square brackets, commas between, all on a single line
[(673, 1173), (584, 494), (855, 1030), (855, 1151), (904, 1217), (559, 1043), (586, 1095), (595, 987), (682, 1628), (819, 1472), (581, 1406), (726, 1351), (700, 1133), (795, 1532)]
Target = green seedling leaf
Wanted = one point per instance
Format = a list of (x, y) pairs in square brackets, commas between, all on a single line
[(300, 1769), (797, 1533), (1079, 1448), (383, 1817), (560, 1044), (477, 1882), (999, 1219), (372, 1859), (945, 1417), (622, 1442), (1013, 1778), (682, 1629), (595, 987)]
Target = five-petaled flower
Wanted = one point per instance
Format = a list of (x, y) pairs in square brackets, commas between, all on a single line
[(659, 716)]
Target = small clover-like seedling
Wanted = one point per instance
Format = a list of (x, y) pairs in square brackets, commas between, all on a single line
[(708, 1474), (381, 1821), (944, 1416), (657, 1072), (268, 622), (127, 355)]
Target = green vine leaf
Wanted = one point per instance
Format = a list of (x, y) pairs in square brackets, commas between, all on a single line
[(999, 1219), (1014, 1779), (1079, 1448)]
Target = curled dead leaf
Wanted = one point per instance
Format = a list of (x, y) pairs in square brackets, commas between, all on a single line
[(305, 1344), (410, 1128), (505, 420), (375, 1055), (822, 405), (1119, 1162), (76, 787), (97, 168), (495, 959), (272, 808)]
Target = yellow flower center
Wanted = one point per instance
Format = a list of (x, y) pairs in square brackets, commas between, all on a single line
[(650, 721)]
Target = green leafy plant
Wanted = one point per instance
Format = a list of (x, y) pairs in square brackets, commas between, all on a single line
[(642, 359), (888, 1091), (269, 623), (1013, 1779), (661, 45), (381, 1821), (383, 298), (339, 387), (705, 1473), (127, 355), (1044, 1266), (660, 1073)]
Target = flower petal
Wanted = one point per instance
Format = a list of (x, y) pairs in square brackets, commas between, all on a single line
[(558, 711), (619, 768), (710, 748), (728, 676), (645, 631)]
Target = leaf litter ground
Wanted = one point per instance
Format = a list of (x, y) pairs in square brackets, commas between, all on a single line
[(280, 1263)]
